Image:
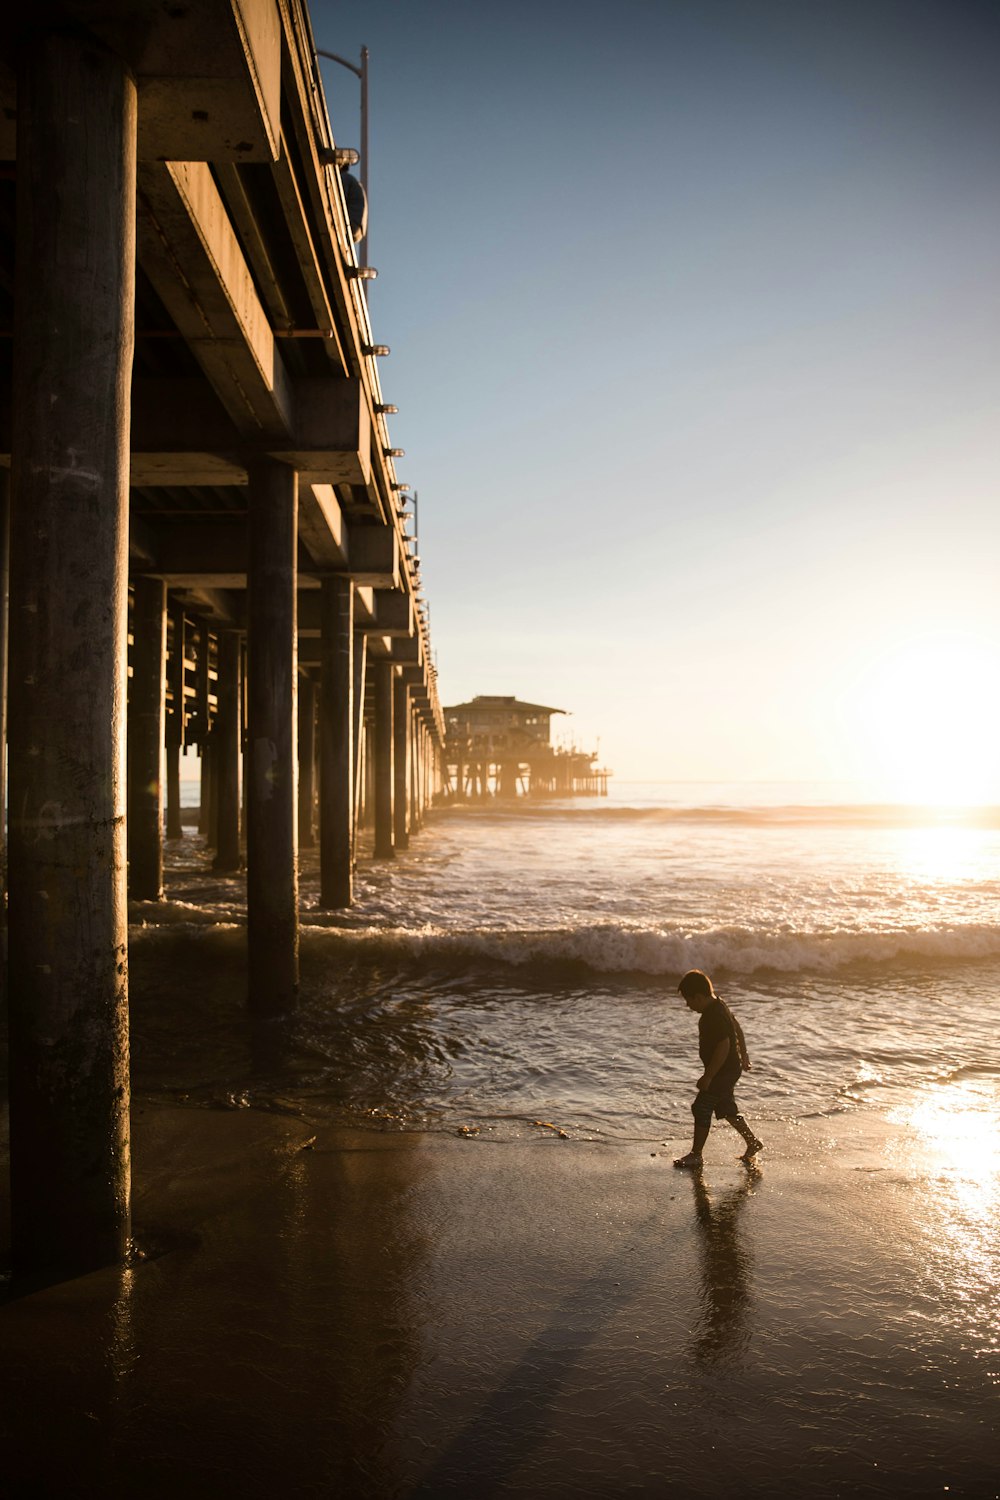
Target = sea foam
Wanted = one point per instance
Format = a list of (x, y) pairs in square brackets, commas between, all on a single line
[(607, 948)]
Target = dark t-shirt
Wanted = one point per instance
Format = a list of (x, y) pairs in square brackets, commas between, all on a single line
[(716, 1024)]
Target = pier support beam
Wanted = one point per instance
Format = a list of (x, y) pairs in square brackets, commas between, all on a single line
[(307, 760), (226, 754), (360, 675), (384, 822), (73, 335), (146, 710), (401, 763), (337, 774), (4, 619), (202, 720), (416, 810), (174, 826), (206, 816), (272, 810), (175, 727)]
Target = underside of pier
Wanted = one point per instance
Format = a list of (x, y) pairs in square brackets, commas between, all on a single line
[(206, 534)]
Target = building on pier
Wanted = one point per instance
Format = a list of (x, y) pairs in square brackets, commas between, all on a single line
[(501, 747), (206, 539)]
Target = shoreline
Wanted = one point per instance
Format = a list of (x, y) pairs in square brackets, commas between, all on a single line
[(332, 1310)]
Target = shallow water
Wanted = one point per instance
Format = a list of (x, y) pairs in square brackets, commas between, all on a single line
[(396, 1312), (520, 967)]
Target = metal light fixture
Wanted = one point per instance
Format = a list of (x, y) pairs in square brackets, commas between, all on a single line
[(338, 156), (394, 452), (379, 349), (382, 409), (399, 484), (361, 273)]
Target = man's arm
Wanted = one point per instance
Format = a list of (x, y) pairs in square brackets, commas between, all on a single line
[(714, 1064)]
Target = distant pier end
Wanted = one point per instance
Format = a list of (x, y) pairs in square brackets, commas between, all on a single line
[(499, 747)]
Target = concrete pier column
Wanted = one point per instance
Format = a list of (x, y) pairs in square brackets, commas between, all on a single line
[(175, 725), (244, 756), (384, 780), (172, 789), (202, 686), (226, 754), (337, 777), (206, 813), (146, 714), (360, 678), (366, 802), (401, 763), (272, 798), (416, 811), (73, 337), (4, 617), (307, 760)]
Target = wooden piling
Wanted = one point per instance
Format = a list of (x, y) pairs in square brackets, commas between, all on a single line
[(207, 822), (175, 725), (416, 810), (226, 754), (146, 700), (272, 844), (202, 719), (338, 778), (73, 336), (384, 821), (401, 763), (307, 760), (4, 617), (360, 675), (368, 772), (172, 789)]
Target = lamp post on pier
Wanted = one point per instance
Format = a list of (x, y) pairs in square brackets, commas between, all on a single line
[(362, 74)]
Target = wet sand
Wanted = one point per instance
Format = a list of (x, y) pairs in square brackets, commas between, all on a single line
[(364, 1314)]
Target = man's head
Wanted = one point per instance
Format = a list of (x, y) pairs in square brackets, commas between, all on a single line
[(697, 990)]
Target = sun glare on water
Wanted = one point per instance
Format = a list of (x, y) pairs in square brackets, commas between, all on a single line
[(955, 1129), (959, 1125), (928, 721)]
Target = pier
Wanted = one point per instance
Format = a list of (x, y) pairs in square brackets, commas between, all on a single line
[(207, 541), (499, 747)]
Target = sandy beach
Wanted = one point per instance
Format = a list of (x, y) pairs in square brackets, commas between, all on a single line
[(380, 1314)]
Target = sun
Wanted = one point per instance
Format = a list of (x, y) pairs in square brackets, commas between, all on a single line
[(927, 720)]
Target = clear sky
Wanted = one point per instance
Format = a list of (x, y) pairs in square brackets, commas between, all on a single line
[(694, 310)]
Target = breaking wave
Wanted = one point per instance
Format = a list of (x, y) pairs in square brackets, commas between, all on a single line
[(611, 949)]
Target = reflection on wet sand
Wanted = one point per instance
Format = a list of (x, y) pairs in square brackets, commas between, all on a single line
[(952, 1149), (725, 1325), (274, 1342)]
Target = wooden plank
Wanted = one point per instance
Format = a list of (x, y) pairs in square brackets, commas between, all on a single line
[(322, 528), (208, 74), (189, 251), (373, 556), (296, 217), (265, 272)]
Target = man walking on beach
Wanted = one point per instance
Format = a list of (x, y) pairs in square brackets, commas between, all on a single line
[(723, 1053)]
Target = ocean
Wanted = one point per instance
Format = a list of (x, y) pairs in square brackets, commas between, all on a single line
[(515, 970), (422, 1236)]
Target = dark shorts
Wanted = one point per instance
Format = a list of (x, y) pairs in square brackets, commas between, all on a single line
[(717, 1102)]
